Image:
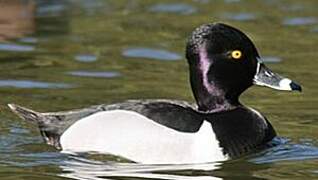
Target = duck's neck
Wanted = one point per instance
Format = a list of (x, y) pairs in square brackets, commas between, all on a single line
[(209, 96)]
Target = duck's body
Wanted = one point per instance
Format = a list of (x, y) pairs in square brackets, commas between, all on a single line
[(152, 131), (166, 131)]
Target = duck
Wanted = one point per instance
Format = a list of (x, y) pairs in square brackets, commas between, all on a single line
[(223, 63)]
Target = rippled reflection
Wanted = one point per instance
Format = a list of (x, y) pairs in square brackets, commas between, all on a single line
[(16, 18), (79, 168)]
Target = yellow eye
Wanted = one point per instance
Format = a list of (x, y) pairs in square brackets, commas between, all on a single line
[(237, 54)]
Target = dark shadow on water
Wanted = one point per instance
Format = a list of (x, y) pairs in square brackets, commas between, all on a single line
[(52, 17), (91, 7), (51, 8)]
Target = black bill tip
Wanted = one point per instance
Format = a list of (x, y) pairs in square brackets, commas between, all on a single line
[(295, 87)]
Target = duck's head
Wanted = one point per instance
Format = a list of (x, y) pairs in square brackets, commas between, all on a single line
[(223, 63)]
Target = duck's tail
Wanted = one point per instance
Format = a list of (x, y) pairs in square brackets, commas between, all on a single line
[(26, 114), (53, 124), (49, 133)]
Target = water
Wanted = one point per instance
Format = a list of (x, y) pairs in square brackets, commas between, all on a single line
[(178, 8), (85, 58), (298, 21), (32, 84), (271, 59), (72, 54), (101, 74), (149, 53), (239, 16), (15, 47)]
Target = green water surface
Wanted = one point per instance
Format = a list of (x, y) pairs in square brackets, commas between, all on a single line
[(82, 53)]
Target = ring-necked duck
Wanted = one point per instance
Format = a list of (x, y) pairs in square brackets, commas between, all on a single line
[(223, 62)]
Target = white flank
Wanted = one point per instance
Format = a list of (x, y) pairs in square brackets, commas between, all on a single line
[(135, 137)]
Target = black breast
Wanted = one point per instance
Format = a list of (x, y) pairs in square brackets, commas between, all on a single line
[(241, 131)]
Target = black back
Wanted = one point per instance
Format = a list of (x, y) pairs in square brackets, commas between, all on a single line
[(177, 115)]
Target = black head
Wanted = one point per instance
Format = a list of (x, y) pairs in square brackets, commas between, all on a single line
[(223, 63)]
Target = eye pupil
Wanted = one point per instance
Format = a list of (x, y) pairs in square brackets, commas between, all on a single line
[(237, 54)]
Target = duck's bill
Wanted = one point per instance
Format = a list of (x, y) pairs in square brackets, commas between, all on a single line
[(265, 77)]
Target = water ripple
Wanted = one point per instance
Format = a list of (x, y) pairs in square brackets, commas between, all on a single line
[(85, 58), (15, 47), (271, 59), (239, 16), (151, 54), (33, 84), (179, 8), (287, 151), (98, 74), (298, 21)]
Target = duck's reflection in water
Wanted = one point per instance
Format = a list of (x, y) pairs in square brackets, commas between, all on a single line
[(17, 18), (82, 168)]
